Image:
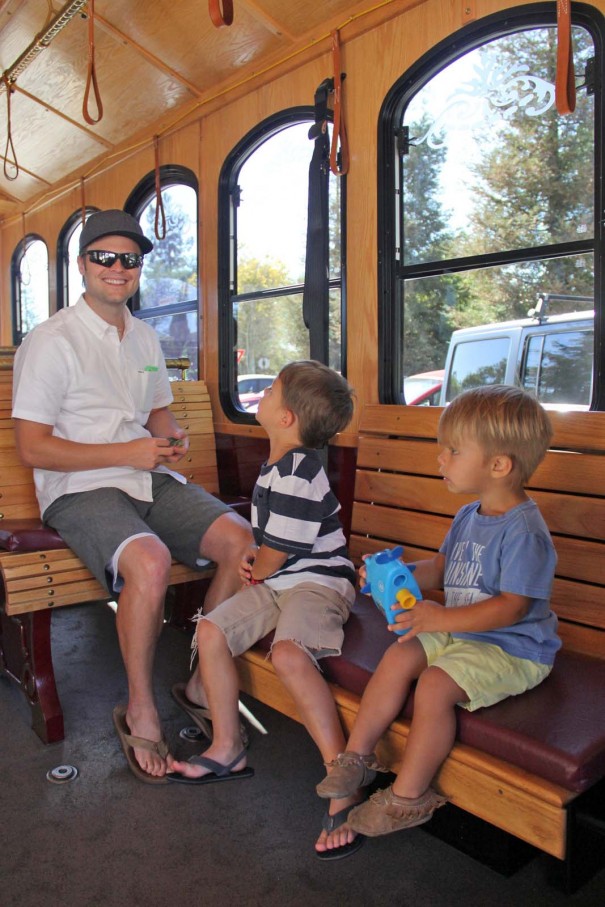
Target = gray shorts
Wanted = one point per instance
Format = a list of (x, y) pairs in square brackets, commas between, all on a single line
[(309, 614), (96, 524)]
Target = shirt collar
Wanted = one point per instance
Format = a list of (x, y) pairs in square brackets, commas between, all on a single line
[(97, 324)]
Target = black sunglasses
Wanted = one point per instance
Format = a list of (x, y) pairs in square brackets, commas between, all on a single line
[(128, 260)]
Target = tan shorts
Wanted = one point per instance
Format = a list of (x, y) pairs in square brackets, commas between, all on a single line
[(309, 614), (485, 672)]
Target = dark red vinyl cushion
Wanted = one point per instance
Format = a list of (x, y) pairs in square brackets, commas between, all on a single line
[(556, 731), (28, 535)]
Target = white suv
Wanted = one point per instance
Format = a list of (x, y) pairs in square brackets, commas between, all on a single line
[(552, 357)]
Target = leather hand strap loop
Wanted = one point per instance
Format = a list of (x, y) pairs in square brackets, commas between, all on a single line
[(10, 147), (91, 78), (339, 132), (160, 215), (220, 16), (565, 85)]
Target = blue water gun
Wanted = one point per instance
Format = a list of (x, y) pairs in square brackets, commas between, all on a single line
[(391, 584)]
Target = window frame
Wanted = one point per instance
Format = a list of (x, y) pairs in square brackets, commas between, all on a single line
[(16, 302), (391, 270), (65, 235), (227, 252), (143, 193)]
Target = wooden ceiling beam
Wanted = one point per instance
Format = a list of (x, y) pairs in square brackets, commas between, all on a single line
[(35, 176), (63, 116), (265, 19), (143, 52), (4, 7)]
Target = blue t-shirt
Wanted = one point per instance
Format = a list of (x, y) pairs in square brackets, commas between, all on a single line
[(487, 555)]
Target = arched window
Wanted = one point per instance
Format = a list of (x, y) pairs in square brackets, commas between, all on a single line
[(263, 199), (168, 295), (490, 205), (69, 279), (29, 279)]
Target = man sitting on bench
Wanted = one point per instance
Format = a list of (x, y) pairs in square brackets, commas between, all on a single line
[(90, 403)]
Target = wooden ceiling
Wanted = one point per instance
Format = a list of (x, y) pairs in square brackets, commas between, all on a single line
[(155, 61)]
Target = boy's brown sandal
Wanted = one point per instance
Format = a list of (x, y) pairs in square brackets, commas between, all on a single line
[(349, 772), (385, 812)]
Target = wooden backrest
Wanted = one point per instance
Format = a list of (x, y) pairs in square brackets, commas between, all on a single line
[(400, 498), (191, 407)]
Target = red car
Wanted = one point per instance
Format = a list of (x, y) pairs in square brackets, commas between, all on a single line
[(424, 388)]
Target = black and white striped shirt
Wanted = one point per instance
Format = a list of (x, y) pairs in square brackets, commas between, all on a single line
[(295, 511)]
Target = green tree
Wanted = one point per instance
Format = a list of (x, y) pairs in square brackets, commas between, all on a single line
[(533, 185), (426, 237), (170, 270), (272, 329)]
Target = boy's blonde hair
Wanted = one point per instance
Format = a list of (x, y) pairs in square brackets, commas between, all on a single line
[(321, 399), (502, 420)]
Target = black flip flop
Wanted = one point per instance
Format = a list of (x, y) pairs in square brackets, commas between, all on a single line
[(218, 772), (331, 823)]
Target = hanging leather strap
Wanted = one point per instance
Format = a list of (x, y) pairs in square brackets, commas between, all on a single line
[(82, 200), (10, 147), (220, 16), (91, 78), (316, 293), (565, 85), (339, 132), (160, 214)]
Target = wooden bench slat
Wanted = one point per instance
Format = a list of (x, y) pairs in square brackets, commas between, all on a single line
[(415, 492), (400, 525), (399, 455), (573, 515), (419, 422), (580, 559), (572, 431), (585, 640), (578, 602)]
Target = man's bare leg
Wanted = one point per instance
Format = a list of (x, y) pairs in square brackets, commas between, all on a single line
[(226, 543), (145, 568)]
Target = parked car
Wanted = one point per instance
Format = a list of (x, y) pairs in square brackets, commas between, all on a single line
[(250, 389), (550, 356), (424, 388)]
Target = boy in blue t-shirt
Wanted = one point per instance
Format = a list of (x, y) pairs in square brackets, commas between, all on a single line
[(496, 636), (298, 580)]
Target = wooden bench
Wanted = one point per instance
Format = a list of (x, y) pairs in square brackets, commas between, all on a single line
[(39, 573), (533, 766)]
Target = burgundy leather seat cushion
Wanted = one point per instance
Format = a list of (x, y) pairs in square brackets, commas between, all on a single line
[(28, 535), (556, 731)]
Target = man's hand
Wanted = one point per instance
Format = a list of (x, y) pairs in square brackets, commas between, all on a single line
[(148, 453)]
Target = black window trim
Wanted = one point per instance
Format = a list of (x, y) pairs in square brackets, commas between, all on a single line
[(16, 259), (142, 194), (227, 239), (62, 259), (390, 270)]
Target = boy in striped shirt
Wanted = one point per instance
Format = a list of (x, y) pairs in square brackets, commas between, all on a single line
[(298, 580)]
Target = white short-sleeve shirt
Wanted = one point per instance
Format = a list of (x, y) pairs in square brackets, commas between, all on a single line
[(72, 372)]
